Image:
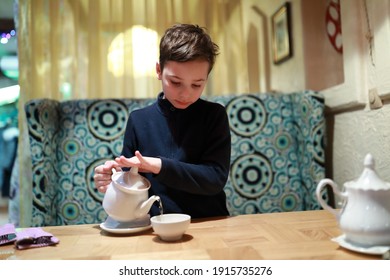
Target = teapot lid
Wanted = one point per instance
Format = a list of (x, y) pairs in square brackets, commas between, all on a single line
[(369, 180), (131, 179)]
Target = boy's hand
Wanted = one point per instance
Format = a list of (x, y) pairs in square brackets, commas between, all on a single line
[(144, 164), (103, 173)]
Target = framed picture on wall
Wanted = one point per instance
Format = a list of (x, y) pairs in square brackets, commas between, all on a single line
[(281, 34)]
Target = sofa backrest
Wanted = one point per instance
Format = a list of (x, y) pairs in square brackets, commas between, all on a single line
[(277, 153)]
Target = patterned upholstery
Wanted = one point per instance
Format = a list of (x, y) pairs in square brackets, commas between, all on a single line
[(277, 153)]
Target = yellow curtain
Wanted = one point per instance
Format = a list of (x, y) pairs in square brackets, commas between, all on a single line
[(74, 49), (71, 49)]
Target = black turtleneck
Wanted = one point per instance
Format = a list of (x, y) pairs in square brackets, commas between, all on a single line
[(194, 146)]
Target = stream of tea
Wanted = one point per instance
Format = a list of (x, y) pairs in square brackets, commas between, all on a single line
[(160, 206)]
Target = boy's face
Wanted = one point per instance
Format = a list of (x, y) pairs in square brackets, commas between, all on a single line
[(183, 82)]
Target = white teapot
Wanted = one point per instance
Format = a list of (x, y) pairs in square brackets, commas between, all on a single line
[(126, 198), (365, 215)]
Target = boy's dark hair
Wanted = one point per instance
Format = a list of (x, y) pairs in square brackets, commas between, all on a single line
[(187, 42)]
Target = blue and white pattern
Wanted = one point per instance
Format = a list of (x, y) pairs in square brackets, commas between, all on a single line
[(277, 151)]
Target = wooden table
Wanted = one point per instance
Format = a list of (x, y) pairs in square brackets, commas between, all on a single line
[(291, 235)]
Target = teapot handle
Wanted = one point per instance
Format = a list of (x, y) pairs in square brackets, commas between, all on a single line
[(323, 183)]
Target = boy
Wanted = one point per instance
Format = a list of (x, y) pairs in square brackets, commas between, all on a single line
[(181, 143)]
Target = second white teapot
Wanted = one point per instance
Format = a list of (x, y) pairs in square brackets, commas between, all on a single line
[(365, 215)]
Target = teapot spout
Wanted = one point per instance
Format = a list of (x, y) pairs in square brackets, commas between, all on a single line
[(146, 205)]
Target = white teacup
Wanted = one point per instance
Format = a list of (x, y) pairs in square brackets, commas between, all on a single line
[(170, 227)]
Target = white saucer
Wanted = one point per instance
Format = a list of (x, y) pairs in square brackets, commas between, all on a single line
[(124, 230), (372, 250), (112, 226)]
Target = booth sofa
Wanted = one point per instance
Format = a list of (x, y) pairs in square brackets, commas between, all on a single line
[(277, 153)]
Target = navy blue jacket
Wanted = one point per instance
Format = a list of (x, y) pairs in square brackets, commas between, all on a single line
[(194, 146)]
